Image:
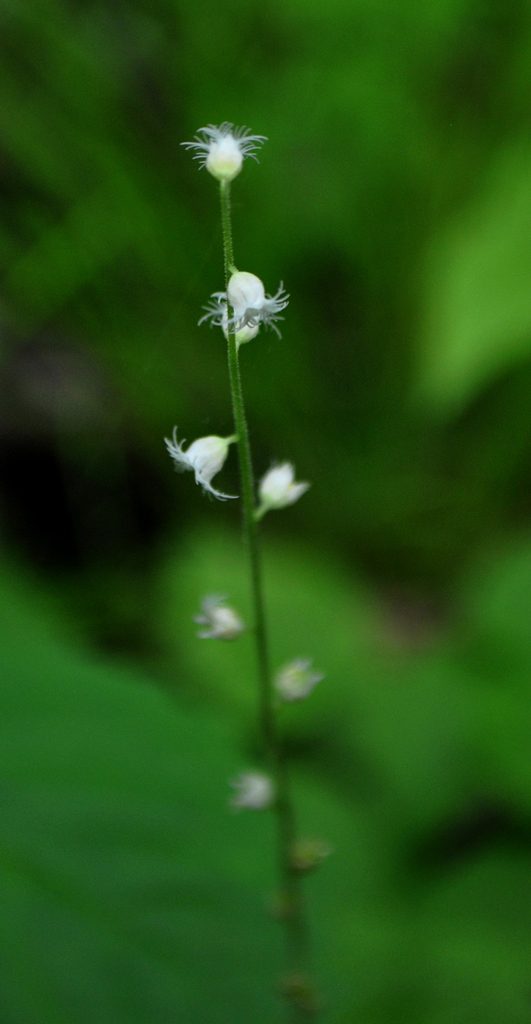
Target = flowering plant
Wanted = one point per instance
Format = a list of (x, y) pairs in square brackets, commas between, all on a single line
[(240, 310)]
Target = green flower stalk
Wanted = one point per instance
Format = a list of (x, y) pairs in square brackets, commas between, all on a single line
[(240, 311)]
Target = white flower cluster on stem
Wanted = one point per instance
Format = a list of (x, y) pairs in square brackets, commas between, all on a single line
[(241, 310)]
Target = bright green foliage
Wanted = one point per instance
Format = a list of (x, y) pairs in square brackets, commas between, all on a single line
[(127, 893), (480, 301), (130, 891), (393, 201), (415, 766)]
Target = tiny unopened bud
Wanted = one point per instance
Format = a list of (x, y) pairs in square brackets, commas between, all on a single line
[(308, 854), (222, 622), (254, 791), (297, 679), (278, 489)]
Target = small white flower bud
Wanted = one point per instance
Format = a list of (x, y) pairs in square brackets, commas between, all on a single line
[(222, 149), (251, 307), (296, 680), (205, 457), (254, 791), (218, 314), (278, 489), (247, 333), (225, 158), (245, 291), (222, 622)]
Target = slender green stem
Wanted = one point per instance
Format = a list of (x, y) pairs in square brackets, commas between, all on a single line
[(292, 910), (226, 224), (267, 720)]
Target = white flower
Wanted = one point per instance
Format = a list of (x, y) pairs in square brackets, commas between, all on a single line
[(223, 623), (217, 313), (278, 489), (254, 791), (222, 149), (251, 307), (205, 456), (296, 680)]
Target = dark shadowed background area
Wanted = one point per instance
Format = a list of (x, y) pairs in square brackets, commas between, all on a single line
[(393, 199)]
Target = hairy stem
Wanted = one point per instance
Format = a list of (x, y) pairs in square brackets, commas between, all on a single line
[(267, 719), (291, 910)]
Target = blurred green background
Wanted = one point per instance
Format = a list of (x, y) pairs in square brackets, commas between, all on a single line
[(393, 199)]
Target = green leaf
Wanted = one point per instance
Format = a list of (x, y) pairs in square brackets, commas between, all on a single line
[(478, 289), (129, 893)]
